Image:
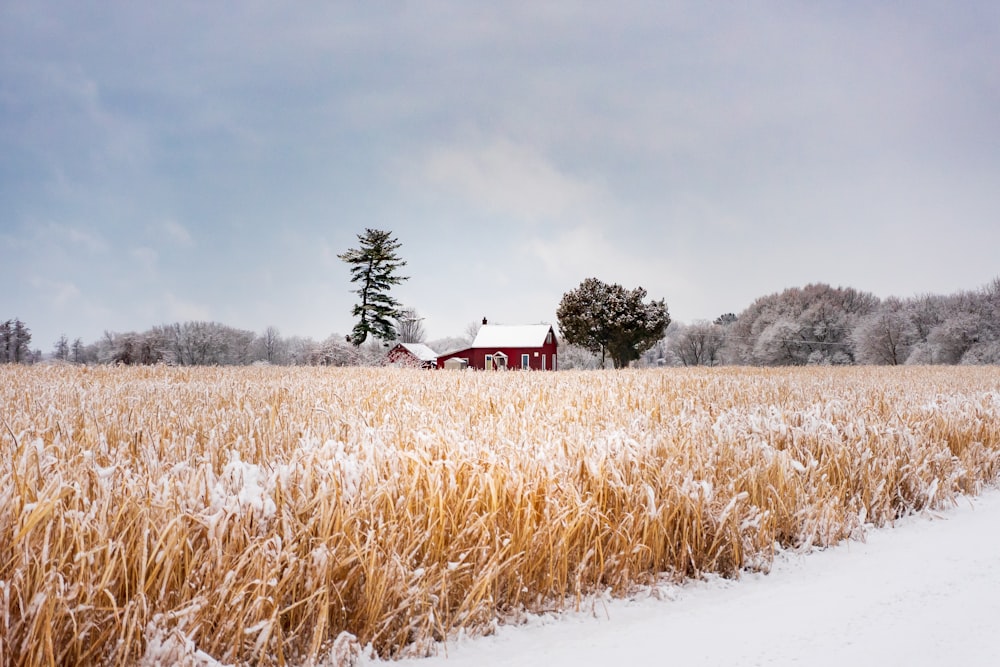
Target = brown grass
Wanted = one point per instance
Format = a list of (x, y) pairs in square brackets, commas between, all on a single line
[(256, 515)]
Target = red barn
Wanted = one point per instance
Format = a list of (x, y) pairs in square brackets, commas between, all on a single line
[(498, 346), (416, 355)]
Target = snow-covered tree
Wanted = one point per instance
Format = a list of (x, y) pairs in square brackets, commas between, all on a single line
[(698, 344), (61, 349), (15, 341), (574, 357), (800, 326), (78, 352), (950, 340), (374, 267), (611, 320), (271, 346), (885, 336), (203, 344), (300, 350)]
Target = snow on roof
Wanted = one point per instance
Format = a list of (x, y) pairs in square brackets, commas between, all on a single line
[(505, 335), (421, 351)]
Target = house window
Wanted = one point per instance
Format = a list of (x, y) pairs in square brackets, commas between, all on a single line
[(548, 337), (543, 362), (488, 365), (525, 361), (554, 362)]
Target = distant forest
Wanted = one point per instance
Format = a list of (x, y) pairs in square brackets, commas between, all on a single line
[(811, 325)]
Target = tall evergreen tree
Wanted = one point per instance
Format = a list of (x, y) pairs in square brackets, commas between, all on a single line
[(15, 337), (374, 268)]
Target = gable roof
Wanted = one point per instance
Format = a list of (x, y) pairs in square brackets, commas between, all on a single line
[(420, 351), (504, 335)]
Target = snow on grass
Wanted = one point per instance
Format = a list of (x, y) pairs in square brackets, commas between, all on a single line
[(924, 592), (295, 515)]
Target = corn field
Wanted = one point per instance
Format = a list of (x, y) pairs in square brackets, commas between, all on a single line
[(293, 515)]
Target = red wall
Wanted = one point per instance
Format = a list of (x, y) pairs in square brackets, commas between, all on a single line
[(477, 356), (400, 355)]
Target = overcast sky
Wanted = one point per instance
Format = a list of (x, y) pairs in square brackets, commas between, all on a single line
[(164, 162)]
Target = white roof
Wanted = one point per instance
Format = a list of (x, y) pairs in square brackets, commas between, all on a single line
[(421, 351), (504, 335)]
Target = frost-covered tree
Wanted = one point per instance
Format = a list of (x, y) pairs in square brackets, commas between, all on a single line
[(271, 345), (452, 343), (472, 329), (337, 351), (300, 350), (809, 325), (957, 328), (725, 319), (15, 341), (203, 344), (698, 344), (885, 336), (132, 348), (374, 268), (950, 340), (78, 351), (61, 349), (611, 320), (778, 344), (574, 357)]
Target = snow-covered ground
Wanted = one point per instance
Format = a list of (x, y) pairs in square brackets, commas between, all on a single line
[(926, 592)]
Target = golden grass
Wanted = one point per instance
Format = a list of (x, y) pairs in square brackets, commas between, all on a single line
[(255, 515)]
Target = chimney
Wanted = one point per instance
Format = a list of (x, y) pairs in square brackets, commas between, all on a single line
[(484, 321)]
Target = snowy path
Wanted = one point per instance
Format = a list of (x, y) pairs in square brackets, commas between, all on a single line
[(926, 592)]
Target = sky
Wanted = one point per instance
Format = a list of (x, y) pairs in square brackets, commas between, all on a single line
[(166, 162)]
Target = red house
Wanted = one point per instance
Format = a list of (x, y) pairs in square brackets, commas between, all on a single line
[(499, 346)]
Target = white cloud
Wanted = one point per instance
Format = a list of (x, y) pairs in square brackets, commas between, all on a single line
[(81, 238), (69, 236), (181, 310), (177, 232), (145, 256), (507, 178), (586, 251), (56, 293)]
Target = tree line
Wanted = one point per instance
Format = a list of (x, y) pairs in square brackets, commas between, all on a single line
[(820, 324), (815, 324), (199, 343)]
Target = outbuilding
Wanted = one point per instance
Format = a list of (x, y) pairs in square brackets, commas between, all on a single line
[(416, 355), (504, 346)]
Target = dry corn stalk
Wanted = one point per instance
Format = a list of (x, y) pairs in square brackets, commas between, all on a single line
[(257, 515)]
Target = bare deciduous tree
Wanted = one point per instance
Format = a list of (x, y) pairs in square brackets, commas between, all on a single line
[(698, 344), (409, 326)]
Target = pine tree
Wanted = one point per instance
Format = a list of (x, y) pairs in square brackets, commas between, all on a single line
[(15, 337), (374, 267)]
